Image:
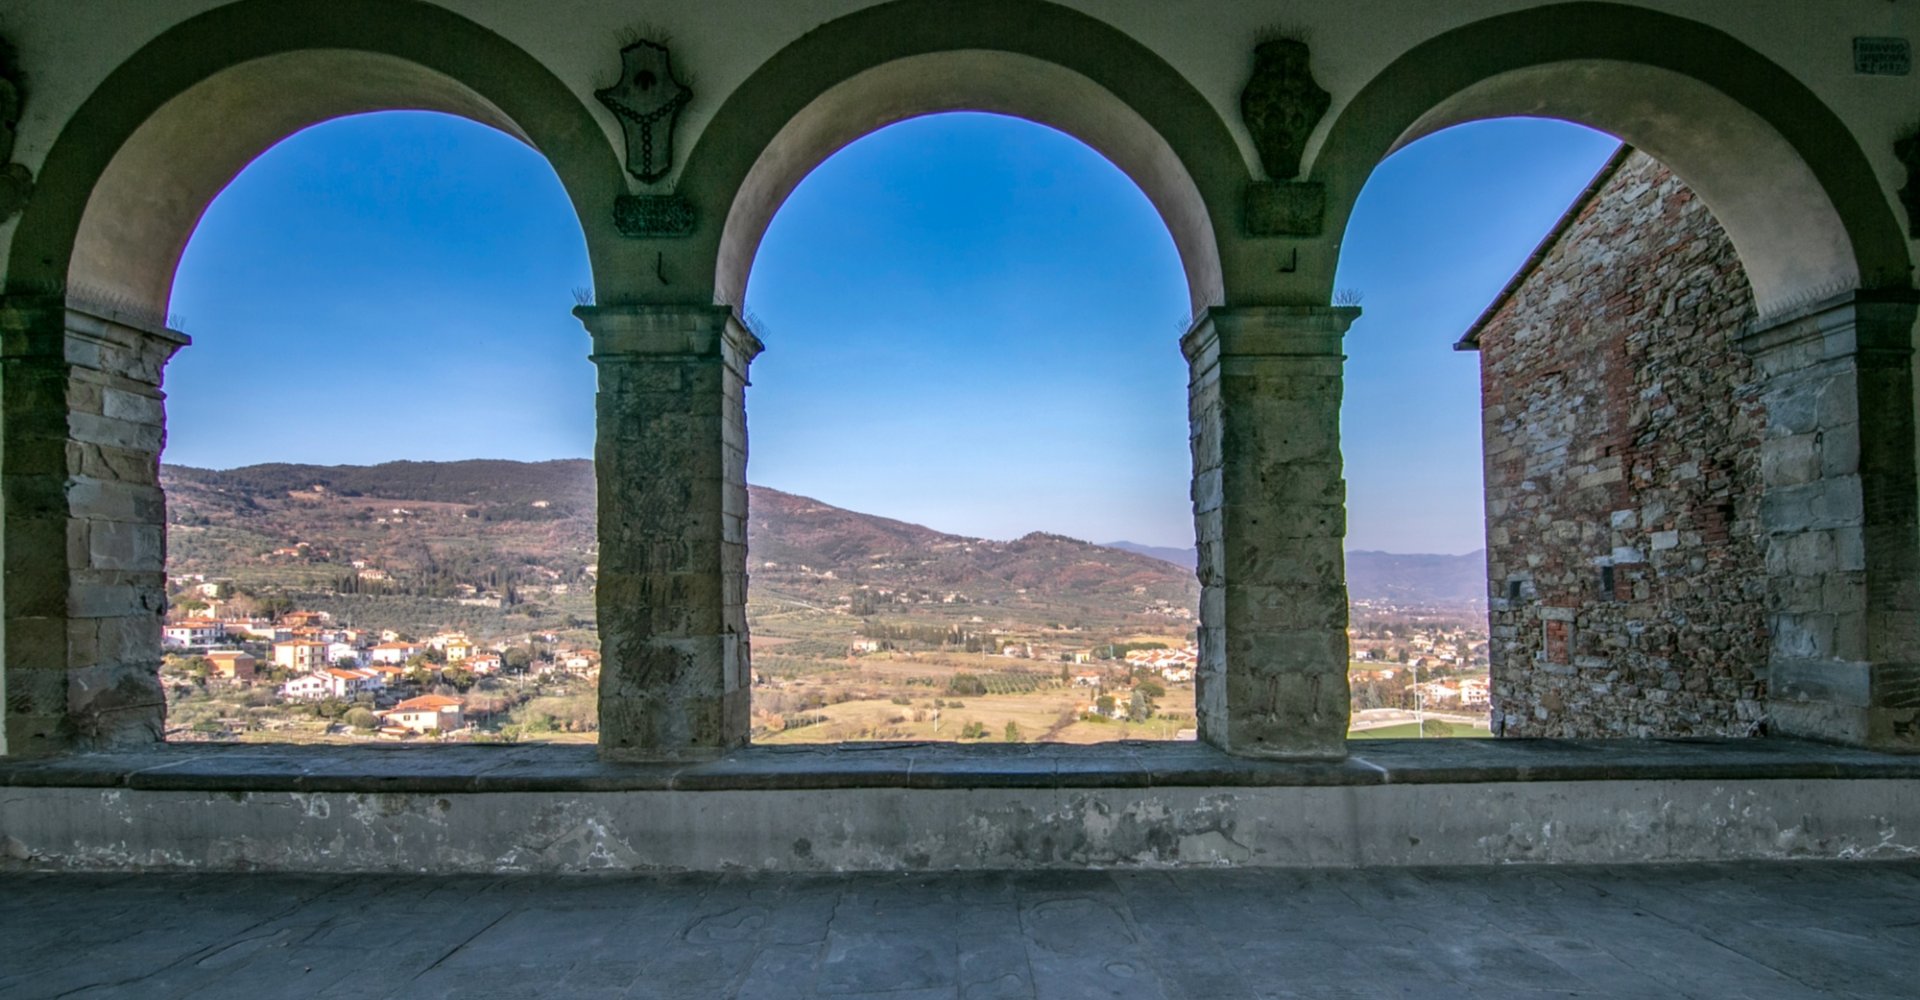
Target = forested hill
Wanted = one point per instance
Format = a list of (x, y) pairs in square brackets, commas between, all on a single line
[(565, 483), (497, 522), (1441, 580), (454, 519)]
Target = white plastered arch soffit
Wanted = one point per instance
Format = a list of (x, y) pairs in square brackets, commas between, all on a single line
[(1790, 237), (150, 198)]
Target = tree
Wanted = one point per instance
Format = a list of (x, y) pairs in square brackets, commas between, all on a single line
[(518, 659), (361, 719), (1152, 689), (966, 684), (1013, 731), (1104, 704)]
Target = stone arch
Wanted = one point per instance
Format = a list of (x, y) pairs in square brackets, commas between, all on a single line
[(126, 181), (1778, 168), (1028, 60)]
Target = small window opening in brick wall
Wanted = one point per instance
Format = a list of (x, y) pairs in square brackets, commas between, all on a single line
[(1559, 641)]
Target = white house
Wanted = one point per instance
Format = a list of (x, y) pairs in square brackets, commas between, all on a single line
[(192, 635), (428, 713), (332, 682), (393, 651)]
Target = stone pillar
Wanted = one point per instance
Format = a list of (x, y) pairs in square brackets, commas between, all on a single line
[(1839, 508), (1269, 509), (671, 461), (85, 527)]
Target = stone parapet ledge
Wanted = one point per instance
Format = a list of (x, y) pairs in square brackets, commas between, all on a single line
[(1127, 764), (497, 809)]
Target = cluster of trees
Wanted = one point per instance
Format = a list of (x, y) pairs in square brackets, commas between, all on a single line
[(1119, 650), (929, 635), (967, 684)]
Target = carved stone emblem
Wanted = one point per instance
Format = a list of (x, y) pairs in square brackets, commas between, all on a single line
[(16, 181), (647, 100), (1281, 105), (1908, 150)]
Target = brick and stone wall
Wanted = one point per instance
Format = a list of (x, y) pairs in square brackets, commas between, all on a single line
[(1622, 424)]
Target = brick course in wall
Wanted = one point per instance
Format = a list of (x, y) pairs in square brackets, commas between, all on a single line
[(1622, 428)]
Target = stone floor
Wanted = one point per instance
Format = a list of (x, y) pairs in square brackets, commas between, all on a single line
[(1721, 931)]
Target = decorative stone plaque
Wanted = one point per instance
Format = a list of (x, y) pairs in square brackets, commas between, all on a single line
[(647, 100), (1882, 56), (653, 216), (1287, 208)]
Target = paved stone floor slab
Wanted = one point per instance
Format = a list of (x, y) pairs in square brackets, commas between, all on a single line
[(1757, 931)]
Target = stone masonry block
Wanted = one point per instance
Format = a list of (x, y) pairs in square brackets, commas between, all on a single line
[(36, 692)]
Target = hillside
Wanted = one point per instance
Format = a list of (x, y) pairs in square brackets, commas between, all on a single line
[(460, 529), (1417, 579), (1382, 576), (465, 530)]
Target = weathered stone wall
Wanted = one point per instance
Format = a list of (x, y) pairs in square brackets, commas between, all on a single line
[(1622, 425), (1269, 513), (85, 585), (671, 456)]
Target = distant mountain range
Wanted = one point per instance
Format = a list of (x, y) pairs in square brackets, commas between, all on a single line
[(505, 521), (1381, 576)]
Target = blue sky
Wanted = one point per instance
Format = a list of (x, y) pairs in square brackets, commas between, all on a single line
[(972, 321)]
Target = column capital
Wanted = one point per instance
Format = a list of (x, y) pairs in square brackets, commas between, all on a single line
[(1845, 325), (1268, 331), (668, 332), (52, 328)]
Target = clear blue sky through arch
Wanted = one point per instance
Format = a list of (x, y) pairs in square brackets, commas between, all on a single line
[(1439, 230), (972, 321), (378, 287)]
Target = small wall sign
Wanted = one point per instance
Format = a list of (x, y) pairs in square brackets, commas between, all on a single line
[(1882, 56)]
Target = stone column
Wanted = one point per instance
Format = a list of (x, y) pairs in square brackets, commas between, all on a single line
[(85, 526), (1269, 507), (671, 461), (1839, 509)]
